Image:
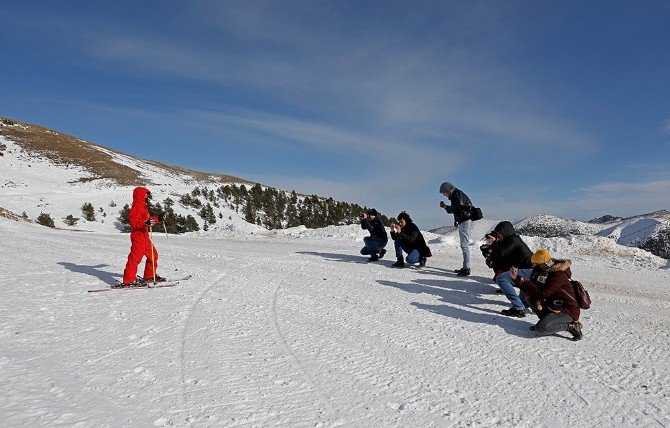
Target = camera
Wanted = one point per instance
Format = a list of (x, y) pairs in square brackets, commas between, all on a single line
[(363, 216)]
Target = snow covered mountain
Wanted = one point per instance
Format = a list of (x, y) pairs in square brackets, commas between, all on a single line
[(47, 173), (291, 327), (648, 231)]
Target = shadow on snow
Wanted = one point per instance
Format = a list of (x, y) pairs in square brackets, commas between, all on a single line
[(94, 271)]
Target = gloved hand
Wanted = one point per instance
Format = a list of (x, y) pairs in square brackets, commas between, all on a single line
[(151, 221), (442, 204)]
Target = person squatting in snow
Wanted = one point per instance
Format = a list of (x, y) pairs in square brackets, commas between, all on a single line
[(551, 294), (140, 242), (408, 238), (375, 243), (503, 250)]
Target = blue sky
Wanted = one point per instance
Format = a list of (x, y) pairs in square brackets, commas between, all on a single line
[(527, 106)]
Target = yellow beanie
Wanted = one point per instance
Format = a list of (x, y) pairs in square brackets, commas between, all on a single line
[(541, 256)]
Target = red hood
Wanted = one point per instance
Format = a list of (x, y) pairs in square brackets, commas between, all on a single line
[(140, 195)]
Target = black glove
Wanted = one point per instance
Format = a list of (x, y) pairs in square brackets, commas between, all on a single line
[(442, 204)]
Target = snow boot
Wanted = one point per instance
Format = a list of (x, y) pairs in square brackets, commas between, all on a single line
[(138, 282), (399, 264), (422, 262), (373, 258), (511, 312), (381, 253), (575, 328), (463, 272)]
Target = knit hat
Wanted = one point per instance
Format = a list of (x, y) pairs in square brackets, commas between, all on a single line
[(447, 187), (373, 212), (540, 257)]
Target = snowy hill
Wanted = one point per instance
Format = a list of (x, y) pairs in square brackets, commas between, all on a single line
[(291, 327), (48, 173)]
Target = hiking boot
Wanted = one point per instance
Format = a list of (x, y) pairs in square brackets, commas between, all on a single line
[(399, 264), (381, 253), (463, 272), (422, 262), (373, 258), (511, 312), (575, 328)]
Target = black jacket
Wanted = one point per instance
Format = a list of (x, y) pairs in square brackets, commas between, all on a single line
[(411, 236), (460, 206), (375, 227), (509, 250)]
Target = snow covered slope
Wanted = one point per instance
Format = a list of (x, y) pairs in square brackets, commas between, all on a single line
[(295, 329)]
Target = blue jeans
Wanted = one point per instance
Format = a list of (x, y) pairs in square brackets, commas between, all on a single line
[(464, 231), (506, 284), (372, 245), (412, 255)]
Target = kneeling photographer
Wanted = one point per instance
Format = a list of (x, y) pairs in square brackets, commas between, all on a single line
[(506, 250), (375, 243)]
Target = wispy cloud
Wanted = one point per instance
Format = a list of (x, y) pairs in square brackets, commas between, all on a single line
[(447, 89)]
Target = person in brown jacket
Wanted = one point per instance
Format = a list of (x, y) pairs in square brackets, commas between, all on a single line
[(552, 296)]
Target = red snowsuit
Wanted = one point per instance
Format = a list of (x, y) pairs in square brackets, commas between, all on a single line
[(140, 244)]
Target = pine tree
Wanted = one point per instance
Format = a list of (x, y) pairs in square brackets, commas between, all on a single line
[(124, 219), (88, 211), (45, 220), (71, 220)]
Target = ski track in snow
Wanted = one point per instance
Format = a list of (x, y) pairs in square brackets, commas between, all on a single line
[(302, 332)]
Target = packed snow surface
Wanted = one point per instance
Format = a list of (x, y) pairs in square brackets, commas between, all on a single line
[(296, 329)]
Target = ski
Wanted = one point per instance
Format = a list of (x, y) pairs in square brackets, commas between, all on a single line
[(148, 285)]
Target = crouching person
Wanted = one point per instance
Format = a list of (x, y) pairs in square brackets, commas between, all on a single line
[(508, 250), (408, 238), (375, 243), (552, 295)]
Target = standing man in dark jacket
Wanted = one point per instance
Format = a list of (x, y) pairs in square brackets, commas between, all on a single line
[(508, 250), (375, 243), (408, 238), (460, 207)]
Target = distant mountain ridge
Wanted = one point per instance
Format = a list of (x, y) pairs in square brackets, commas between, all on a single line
[(649, 231)]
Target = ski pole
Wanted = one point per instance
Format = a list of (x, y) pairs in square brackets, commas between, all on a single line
[(153, 258), (167, 237)]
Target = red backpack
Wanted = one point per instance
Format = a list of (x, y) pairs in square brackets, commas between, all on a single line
[(581, 295)]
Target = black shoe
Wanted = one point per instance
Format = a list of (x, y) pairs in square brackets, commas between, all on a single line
[(398, 264), (457, 270), (138, 282), (381, 253), (422, 262), (463, 272), (373, 258), (511, 312), (575, 328)]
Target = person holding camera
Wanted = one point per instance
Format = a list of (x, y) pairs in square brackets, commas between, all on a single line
[(506, 250), (552, 294), (375, 243), (460, 207), (408, 238)]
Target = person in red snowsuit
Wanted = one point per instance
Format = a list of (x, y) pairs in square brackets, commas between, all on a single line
[(140, 244)]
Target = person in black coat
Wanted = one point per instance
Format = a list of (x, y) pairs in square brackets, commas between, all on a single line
[(461, 208), (408, 238), (508, 250), (375, 243)]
